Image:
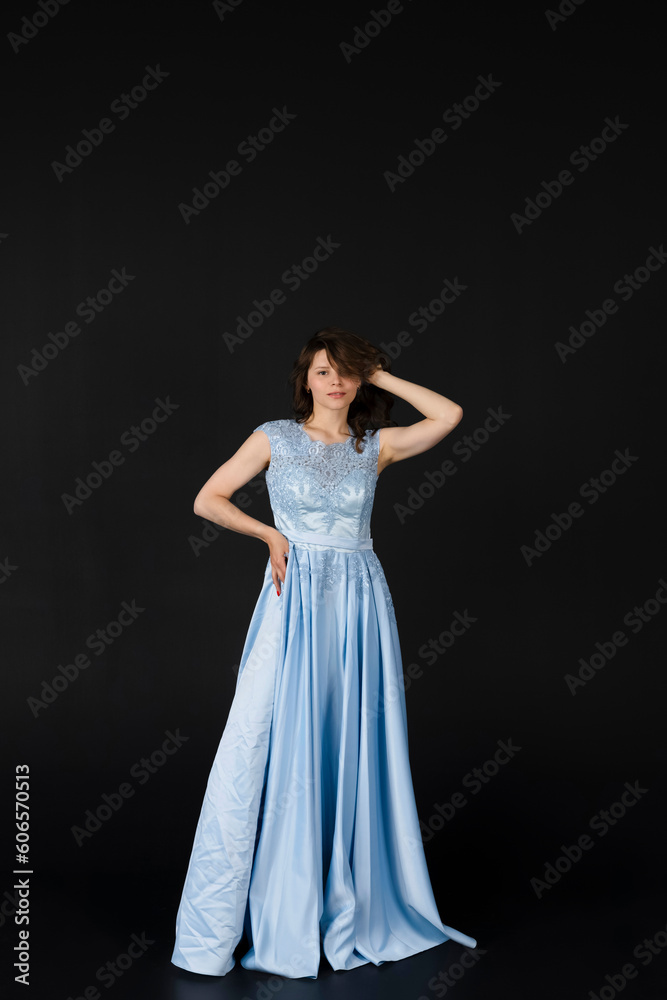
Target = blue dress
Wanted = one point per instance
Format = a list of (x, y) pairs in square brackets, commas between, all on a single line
[(308, 835)]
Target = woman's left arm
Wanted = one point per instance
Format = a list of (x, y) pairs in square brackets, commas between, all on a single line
[(441, 417)]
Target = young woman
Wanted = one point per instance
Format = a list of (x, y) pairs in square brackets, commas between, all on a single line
[(308, 837)]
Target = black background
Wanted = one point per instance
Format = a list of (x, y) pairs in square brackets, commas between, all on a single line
[(135, 537)]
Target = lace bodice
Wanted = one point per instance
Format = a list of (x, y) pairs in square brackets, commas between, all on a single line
[(317, 487)]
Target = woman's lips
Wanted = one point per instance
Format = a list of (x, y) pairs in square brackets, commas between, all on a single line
[(335, 394)]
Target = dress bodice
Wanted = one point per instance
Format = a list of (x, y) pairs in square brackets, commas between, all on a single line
[(316, 487)]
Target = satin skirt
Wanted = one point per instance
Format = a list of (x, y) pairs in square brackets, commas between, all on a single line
[(308, 836)]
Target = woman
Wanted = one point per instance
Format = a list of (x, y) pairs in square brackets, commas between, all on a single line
[(308, 837)]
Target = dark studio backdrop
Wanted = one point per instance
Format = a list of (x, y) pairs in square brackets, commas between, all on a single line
[(480, 190)]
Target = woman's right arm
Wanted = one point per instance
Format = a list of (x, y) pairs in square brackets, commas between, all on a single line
[(213, 500)]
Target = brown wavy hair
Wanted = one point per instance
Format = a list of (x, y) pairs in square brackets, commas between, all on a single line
[(353, 357)]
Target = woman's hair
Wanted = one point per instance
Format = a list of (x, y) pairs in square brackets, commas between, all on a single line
[(352, 357)]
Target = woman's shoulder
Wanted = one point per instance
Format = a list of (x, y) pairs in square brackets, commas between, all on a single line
[(274, 426)]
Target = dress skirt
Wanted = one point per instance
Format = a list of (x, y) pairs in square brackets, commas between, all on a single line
[(308, 836)]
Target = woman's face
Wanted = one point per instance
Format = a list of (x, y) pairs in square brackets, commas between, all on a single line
[(330, 389)]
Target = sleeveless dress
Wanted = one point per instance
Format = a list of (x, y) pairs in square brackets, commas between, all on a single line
[(308, 836)]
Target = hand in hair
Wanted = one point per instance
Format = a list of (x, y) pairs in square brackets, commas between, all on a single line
[(371, 378)]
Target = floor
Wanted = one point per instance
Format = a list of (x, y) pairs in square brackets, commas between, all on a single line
[(555, 948)]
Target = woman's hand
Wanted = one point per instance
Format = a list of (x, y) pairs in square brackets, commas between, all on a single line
[(278, 549), (372, 378)]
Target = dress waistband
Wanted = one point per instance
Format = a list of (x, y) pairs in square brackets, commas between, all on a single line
[(332, 541)]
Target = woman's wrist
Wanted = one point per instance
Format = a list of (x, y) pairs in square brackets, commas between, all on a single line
[(379, 377), (270, 534)]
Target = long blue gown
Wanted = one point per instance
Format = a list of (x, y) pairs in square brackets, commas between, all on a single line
[(308, 835)]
